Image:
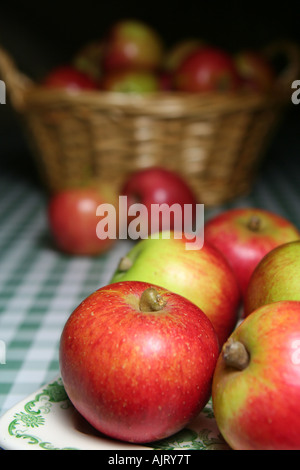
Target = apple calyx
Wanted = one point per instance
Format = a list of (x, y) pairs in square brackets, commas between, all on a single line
[(254, 223), (151, 301), (235, 354), (125, 264)]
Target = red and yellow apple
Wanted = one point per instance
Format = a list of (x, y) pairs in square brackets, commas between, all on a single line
[(245, 235), (88, 59), (131, 43), (137, 361), (276, 278), (202, 275), (255, 71), (256, 384)]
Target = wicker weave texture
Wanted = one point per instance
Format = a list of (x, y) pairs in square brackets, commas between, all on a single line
[(214, 141)]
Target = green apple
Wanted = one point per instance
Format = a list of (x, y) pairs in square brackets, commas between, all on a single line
[(201, 275), (276, 277)]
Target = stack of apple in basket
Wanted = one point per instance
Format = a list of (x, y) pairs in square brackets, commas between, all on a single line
[(133, 102)]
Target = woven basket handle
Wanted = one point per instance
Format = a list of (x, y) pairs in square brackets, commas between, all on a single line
[(291, 52), (16, 82)]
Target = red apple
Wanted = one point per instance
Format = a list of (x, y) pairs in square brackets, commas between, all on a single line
[(156, 185), (245, 235), (255, 71), (69, 78), (137, 361), (206, 69), (132, 44), (276, 278), (130, 81), (200, 274), (73, 220), (256, 383)]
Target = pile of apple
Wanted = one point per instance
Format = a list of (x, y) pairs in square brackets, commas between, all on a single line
[(74, 217), (132, 57), (141, 356)]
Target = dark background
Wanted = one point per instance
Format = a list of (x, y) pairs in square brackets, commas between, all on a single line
[(40, 35)]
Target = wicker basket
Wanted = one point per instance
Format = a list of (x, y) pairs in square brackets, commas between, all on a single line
[(215, 141)]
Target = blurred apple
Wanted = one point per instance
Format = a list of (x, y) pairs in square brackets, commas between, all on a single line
[(89, 58), (69, 78), (175, 56), (132, 43), (276, 278), (130, 81), (255, 71), (158, 185), (73, 221), (207, 69), (165, 80)]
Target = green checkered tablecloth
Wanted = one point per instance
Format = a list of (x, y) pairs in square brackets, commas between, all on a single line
[(39, 287)]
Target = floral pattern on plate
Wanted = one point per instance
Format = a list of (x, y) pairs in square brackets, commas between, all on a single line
[(47, 420)]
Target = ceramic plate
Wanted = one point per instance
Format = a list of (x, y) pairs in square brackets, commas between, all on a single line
[(47, 420)]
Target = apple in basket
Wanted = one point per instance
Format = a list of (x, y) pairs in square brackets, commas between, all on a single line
[(173, 57), (73, 220), (137, 361), (179, 51), (160, 189), (207, 69), (276, 278), (88, 59), (131, 43), (69, 78), (130, 81), (256, 383), (255, 70), (245, 235), (165, 80), (184, 266)]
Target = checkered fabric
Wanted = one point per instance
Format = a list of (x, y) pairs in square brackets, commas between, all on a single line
[(39, 287)]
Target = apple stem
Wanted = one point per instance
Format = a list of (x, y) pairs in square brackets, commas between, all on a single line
[(125, 264), (235, 354), (151, 301), (254, 223)]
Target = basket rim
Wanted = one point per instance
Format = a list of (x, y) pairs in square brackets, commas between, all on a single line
[(162, 103)]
